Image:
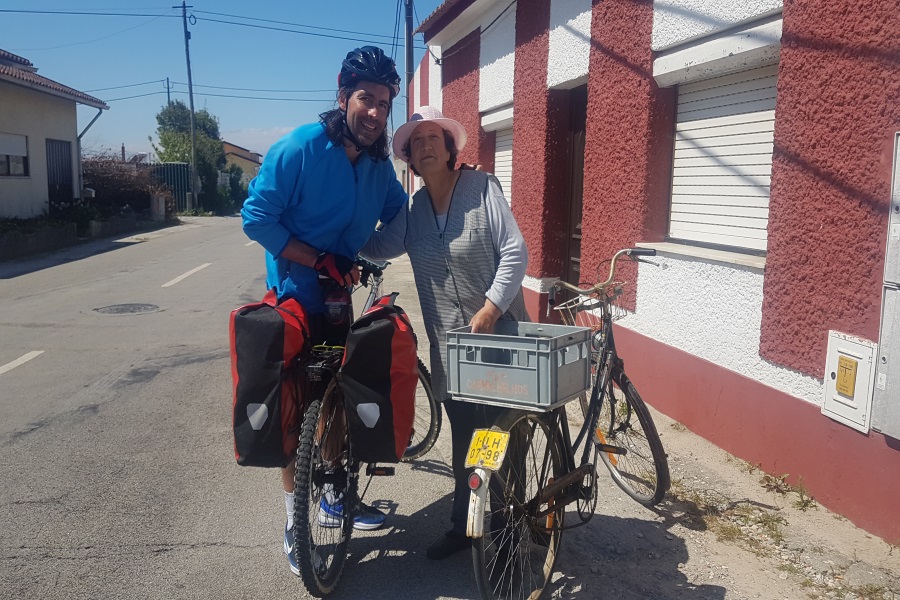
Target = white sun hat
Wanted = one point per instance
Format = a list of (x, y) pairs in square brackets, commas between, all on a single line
[(422, 114)]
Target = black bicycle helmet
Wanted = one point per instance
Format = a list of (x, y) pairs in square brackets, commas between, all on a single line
[(369, 63)]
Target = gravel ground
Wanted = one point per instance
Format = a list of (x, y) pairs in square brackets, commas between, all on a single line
[(724, 532)]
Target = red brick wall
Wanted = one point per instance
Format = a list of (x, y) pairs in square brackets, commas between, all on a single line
[(837, 110), (459, 72), (629, 137)]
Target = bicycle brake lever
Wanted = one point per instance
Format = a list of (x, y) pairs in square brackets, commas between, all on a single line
[(644, 260)]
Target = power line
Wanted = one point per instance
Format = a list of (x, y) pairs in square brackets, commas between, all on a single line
[(221, 87), (147, 22), (204, 12), (167, 15), (119, 87), (84, 13), (258, 97), (224, 96), (396, 31), (136, 96), (270, 28)]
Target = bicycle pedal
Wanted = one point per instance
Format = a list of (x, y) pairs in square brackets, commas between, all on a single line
[(379, 471), (610, 449)]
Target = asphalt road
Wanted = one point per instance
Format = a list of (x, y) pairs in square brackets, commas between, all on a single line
[(118, 475)]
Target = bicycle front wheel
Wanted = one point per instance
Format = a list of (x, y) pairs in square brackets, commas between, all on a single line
[(515, 556), (642, 471), (427, 422), (324, 493)]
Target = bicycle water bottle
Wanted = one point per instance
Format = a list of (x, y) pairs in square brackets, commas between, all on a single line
[(337, 315)]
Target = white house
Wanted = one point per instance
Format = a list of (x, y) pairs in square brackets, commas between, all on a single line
[(39, 140)]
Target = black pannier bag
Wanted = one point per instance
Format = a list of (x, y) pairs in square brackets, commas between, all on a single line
[(266, 338), (379, 376)]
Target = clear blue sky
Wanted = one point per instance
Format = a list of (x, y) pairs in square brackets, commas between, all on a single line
[(91, 52)]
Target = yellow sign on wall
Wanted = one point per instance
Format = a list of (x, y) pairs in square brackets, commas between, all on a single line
[(846, 376)]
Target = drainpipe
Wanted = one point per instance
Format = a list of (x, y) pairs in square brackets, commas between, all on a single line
[(80, 135)]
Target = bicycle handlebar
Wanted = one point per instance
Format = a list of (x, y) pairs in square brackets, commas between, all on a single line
[(370, 268), (632, 253)]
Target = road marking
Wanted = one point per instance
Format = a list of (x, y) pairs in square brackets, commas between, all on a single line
[(20, 361), (250, 243), (186, 275)]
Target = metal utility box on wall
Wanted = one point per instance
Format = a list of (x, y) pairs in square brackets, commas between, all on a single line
[(886, 400), (892, 253), (849, 375)]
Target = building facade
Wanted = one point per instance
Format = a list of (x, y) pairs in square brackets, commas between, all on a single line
[(751, 145), (248, 161), (40, 157)]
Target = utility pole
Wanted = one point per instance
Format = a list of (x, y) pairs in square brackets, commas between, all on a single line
[(409, 77), (168, 92), (187, 55), (409, 56)]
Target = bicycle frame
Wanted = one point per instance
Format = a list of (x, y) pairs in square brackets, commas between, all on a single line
[(373, 271)]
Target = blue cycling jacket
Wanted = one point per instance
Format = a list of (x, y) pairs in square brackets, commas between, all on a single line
[(308, 189)]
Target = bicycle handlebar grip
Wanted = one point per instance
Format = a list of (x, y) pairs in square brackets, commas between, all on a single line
[(641, 252), (369, 268)]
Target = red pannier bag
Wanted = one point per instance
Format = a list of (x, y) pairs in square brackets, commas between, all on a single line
[(378, 377), (266, 339)]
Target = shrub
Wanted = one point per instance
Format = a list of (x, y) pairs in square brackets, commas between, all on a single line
[(117, 186)]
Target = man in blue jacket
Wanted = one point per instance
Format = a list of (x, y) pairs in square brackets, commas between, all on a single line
[(319, 194)]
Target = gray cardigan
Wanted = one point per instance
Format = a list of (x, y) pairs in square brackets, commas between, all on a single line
[(479, 254)]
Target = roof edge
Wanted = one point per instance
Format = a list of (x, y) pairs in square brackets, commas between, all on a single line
[(37, 83), (442, 16)]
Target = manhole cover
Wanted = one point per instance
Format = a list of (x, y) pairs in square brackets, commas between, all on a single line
[(127, 309)]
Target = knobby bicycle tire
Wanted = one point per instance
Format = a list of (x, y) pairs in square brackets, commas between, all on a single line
[(515, 556), (427, 423), (643, 471), (323, 471)]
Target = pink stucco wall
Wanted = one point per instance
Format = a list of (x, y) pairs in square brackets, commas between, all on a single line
[(539, 144), (628, 139), (460, 75), (837, 110)]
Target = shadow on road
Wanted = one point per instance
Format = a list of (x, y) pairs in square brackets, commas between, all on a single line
[(610, 557), (23, 266)]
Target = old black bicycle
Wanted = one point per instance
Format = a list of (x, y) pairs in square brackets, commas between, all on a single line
[(526, 480)]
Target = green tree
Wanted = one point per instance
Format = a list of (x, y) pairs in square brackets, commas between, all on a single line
[(174, 134)]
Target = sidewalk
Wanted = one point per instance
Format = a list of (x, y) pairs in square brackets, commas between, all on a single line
[(725, 530)]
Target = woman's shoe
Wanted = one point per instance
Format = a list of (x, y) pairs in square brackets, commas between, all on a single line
[(448, 544)]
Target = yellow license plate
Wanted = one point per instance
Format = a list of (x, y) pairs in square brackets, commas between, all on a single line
[(487, 449), (846, 376)]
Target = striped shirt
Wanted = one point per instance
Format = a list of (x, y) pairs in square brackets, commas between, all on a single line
[(480, 253)]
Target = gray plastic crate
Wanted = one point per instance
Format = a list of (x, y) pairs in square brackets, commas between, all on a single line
[(520, 365)]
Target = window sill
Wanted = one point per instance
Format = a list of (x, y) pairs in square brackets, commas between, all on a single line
[(708, 254)]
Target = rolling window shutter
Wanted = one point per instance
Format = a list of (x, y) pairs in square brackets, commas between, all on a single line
[(723, 159), (503, 161), (13, 145)]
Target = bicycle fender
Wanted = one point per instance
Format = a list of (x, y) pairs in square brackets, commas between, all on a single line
[(477, 498)]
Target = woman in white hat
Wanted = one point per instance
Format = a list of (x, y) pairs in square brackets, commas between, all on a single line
[(468, 258)]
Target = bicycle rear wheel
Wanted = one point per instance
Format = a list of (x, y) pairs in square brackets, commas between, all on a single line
[(427, 423), (515, 556), (643, 471), (325, 491)]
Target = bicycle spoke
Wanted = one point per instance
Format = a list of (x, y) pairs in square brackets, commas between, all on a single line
[(518, 550)]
